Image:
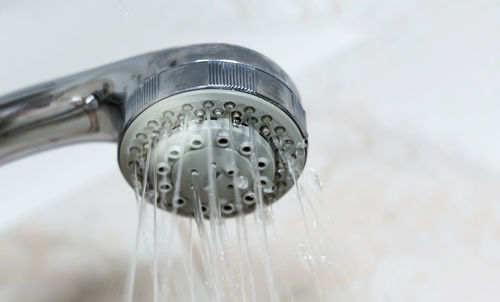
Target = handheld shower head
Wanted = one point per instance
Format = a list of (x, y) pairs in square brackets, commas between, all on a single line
[(193, 124)]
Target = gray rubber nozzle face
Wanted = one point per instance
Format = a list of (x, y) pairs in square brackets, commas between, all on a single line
[(216, 135)]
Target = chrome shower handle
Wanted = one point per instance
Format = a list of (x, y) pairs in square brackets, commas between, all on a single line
[(54, 114), (82, 107)]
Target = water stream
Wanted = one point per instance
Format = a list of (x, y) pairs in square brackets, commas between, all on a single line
[(281, 252)]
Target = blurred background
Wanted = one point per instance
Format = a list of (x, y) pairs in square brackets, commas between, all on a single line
[(403, 112)]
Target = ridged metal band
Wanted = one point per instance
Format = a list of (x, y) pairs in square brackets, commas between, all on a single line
[(215, 74)]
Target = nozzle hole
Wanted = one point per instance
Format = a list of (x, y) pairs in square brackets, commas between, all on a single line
[(228, 209), (249, 198), (134, 149), (246, 149), (134, 163), (249, 110), (218, 112), (229, 105), (266, 118), (223, 142), (279, 130), (187, 107), (153, 124), (196, 142), (164, 187), (262, 164), (141, 136), (264, 181), (162, 169), (180, 202), (208, 104), (168, 114), (174, 154)]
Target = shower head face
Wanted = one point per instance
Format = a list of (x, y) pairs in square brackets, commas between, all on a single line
[(212, 150), (213, 138)]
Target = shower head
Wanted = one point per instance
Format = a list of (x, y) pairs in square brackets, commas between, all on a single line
[(213, 128)]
